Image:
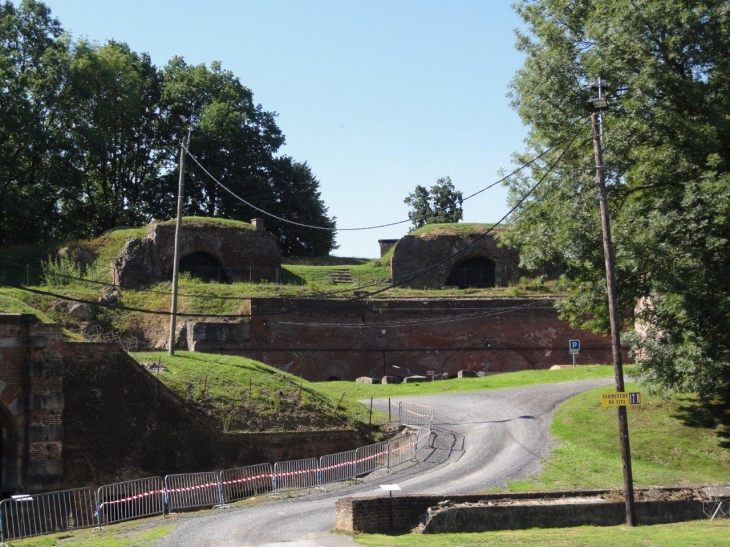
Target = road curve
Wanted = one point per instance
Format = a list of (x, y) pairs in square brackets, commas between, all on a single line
[(481, 439)]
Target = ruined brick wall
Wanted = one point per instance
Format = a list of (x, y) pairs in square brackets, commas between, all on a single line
[(120, 422), (324, 339), (417, 253), (244, 254), (32, 402)]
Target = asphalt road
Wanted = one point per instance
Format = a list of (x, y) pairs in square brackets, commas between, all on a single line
[(480, 439)]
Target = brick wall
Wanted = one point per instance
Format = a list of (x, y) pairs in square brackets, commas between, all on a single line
[(323, 339), (120, 422), (32, 401)]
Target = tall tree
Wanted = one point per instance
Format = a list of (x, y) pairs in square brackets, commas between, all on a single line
[(32, 81), (667, 164), (440, 204), (120, 136)]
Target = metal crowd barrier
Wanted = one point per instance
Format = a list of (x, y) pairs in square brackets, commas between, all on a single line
[(25, 516), (189, 490), (130, 500), (38, 514), (295, 475), (413, 415), (336, 467), (401, 450), (370, 458), (245, 482)]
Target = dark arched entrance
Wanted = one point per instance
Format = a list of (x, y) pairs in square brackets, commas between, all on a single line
[(8, 461), (478, 272), (203, 266)]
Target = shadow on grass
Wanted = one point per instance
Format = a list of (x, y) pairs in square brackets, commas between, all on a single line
[(714, 415)]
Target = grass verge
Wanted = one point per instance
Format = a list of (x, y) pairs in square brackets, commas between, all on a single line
[(686, 534), (135, 534), (357, 391), (665, 449)]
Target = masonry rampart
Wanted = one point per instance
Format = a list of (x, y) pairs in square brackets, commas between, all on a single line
[(344, 339), (120, 422), (233, 253)]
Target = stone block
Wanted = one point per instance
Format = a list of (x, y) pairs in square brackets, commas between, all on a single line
[(415, 378), (467, 374), (365, 380)]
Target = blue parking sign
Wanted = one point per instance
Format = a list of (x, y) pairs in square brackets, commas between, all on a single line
[(574, 345)]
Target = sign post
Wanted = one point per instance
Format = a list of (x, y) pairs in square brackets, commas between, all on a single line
[(574, 347), (621, 398)]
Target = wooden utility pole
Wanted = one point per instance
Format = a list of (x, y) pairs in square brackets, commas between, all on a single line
[(623, 424), (176, 259)]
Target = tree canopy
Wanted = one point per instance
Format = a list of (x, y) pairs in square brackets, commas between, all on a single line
[(440, 204), (90, 133), (667, 157)]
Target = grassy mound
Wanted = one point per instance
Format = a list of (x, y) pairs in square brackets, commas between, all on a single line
[(244, 395)]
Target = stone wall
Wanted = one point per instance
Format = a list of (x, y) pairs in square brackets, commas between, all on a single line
[(418, 252), (242, 252), (326, 339), (120, 422), (32, 403), (402, 513)]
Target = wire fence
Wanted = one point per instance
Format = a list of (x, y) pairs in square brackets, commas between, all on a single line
[(25, 516)]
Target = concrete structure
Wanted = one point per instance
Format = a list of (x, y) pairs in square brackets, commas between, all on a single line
[(421, 260), (211, 249), (386, 245), (339, 339)]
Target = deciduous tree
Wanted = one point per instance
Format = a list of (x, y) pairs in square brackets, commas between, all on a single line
[(667, 158)]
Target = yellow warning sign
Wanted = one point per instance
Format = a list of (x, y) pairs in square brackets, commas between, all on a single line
[(621, 399)]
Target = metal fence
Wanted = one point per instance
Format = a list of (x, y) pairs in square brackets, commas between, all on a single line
[(413, 415), (371, 458), (295, 475), (130, 500), (336, 467), (245, 482), (25, 516), (34, 515), (186, 491), (401, 450)]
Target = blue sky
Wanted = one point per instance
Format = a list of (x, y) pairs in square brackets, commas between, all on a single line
[(377, 96)]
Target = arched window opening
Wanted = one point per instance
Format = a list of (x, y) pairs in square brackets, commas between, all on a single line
[(203, 266), (478, 272)]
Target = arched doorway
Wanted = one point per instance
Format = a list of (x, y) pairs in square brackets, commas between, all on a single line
[(203, 266), (477, 272), (8, 454)]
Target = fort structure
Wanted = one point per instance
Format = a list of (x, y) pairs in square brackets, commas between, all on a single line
[(210, 249), (454, 255)]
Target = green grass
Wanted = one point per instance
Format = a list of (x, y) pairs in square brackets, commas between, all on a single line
[(118, 535), (460, 228), (357, 391), (244, 392), (665, 450), (686, 534)]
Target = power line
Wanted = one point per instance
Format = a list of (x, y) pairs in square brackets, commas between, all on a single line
[(263, 211)]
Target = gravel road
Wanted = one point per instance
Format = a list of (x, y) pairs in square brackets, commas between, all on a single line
[(480, 439)]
